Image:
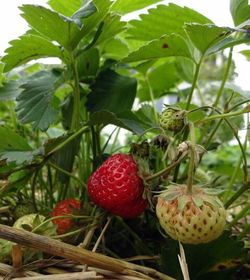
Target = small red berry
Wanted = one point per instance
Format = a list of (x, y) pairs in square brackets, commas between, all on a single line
[(117, 187), (65, 207)]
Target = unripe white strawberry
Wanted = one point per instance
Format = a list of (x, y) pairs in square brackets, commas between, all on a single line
[(191, 218)]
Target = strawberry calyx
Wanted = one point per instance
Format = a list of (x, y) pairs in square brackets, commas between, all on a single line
[(198, 197)]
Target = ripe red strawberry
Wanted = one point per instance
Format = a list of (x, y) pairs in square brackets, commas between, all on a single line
[(117, 187), (65, 207)]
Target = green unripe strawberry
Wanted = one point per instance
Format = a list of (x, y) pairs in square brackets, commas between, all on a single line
[(172, 119)]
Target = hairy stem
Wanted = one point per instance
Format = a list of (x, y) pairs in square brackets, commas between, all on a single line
[(225, 76), (75, 122), (195, 79), (192, 159)]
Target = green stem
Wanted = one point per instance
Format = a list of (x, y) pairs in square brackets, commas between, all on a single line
[(165, 170), (192, 159), (213, 133), (196, 74), (225, 76), (242, 148), (68, 140), (151, 93), (75, 122), (67, 173), (244, 212), (233, 178), (240, 191), (244, 232), (222, 116)]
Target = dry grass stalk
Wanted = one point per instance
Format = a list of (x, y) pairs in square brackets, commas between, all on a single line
[(183, 263), (88, 275), (83, 256), (17, 256), (7, 269)]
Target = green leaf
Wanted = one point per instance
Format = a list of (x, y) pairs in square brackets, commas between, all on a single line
[(52, 25), (165, 19), (2, 77), (90, 23), (114, 49), (14, 148), (166, 46), (86, 10), (112, 92), (237, 89), (112, 26), (9, 91), (205, 36), (35, 103), (240, 11), (227, 42), (124, 7), (146, 115), (162, 76), (246, 53), (65, 7), (27, 48), (126, 120), (88, 63), (201, 258), (12, 141)]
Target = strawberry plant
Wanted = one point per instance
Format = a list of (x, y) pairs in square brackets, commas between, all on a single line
[(133, 142)]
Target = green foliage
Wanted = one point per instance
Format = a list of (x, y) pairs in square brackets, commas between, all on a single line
[(205, 36), (165, 19), (112, 92), (64, 7), (55, 119), (207, 257), (166, 46), (14, 148), (36, 103), (66, 33), (240, 11), (27, 48), (9, 91), (125, 7)]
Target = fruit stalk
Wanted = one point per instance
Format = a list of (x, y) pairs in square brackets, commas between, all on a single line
[(192, 159)]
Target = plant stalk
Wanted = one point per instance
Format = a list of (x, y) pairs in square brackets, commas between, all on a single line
[(192, 159), (225, 76), (196, 74), (75, 122)]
